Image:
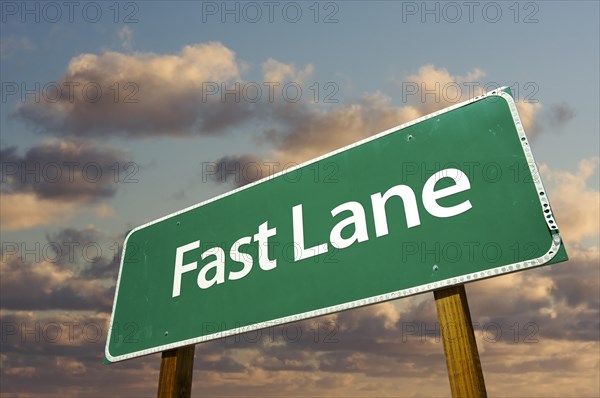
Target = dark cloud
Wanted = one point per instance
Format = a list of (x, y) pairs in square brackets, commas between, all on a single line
[(560, 114), (562, 302), (72, 270), (94, 254), (299, 132), (217, 363), (553, 117), (286, 360), (372, 348), (238, 170), (43, 286), (63, 354), (66, 170)]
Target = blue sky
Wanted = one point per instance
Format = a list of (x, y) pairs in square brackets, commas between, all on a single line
[(366, 56)]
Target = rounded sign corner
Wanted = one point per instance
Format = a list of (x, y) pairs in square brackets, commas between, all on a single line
[(129, 234), (506, 95), (552, 251), (554, 246), (108, 358)]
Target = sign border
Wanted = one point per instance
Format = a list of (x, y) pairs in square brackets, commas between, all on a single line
[(505, 269)]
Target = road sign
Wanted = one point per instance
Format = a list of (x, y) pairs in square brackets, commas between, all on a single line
[(450, 198)]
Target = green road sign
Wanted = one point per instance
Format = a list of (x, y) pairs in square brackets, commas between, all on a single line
[(449, 198)]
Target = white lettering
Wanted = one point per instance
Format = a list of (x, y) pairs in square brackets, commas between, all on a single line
[(410, 208), (300, 252), (262, 237), (357, 218), (180, 268), (430, 197), (243, 258), (347, 231), (218, 264)]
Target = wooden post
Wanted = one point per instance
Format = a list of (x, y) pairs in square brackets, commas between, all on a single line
[(176, 369), (462, 357)]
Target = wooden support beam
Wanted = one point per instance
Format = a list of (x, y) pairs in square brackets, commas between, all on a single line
[(462, 357), (176, 370)]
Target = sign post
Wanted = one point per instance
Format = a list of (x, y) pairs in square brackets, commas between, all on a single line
[(447, 199), (176, 371), (460, 347)]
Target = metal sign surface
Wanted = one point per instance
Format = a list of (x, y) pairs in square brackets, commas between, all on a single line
[(450, 198)]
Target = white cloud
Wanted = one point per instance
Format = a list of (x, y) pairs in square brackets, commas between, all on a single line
[(312, 132), (436, 88), (528, 112), (142, 93), (575, 203), (10, 45), (26, 210), (21, 211), (126, 36), (104, 211), (275, 71)]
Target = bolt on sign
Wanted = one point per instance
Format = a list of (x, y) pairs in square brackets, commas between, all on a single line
[(450, 198)]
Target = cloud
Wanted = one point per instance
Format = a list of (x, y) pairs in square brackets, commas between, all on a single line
[(433, 88), (309, 132), (277, 72), (104, 211), (240, 170), (142, 94), (44, 285), (52, 180), (305, 133), (62, 169), (63, 351), (200, 90), (575, 203), (553, 364), (26, 210), (559, 115), (93, 253), (371, 351), (528, 112), (400, 340), (299, 131), (577, 287), (126, 36), (560, 302), (73, 269), (515, 316), (11, 45)]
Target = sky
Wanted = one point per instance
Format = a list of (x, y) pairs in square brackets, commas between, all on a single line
[(114, 114)]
